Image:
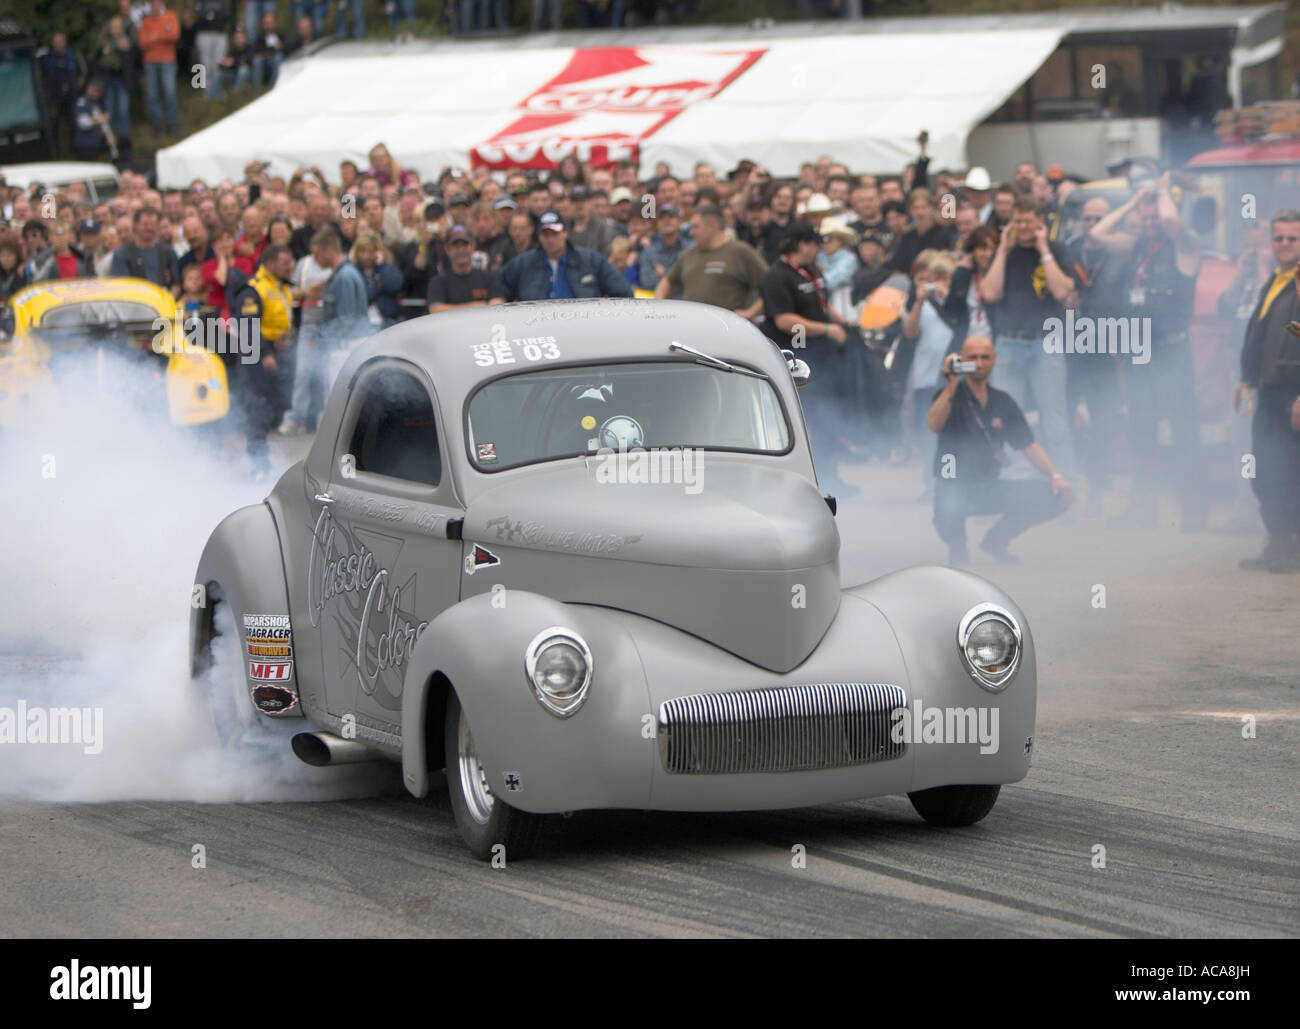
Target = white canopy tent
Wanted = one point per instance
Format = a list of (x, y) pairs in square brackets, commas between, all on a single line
[(779, 101)]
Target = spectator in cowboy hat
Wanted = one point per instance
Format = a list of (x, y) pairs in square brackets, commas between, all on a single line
[(837, 260), (979, 190), (817, 207)]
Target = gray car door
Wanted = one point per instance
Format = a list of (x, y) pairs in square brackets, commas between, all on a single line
[(387, 566)]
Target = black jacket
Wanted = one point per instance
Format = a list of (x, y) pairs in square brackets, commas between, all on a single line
[(1270, 356)]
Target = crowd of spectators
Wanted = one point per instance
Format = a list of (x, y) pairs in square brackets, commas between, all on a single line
[(963, 266)]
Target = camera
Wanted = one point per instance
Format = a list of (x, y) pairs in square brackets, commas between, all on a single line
[(959, 367)]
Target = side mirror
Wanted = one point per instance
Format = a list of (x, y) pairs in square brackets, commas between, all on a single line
[(1204, 216), (799, 370)]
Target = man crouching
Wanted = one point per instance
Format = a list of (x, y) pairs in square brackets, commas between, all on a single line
[(976, 424)]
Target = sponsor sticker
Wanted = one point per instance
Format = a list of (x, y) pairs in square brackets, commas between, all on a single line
[(272, 699), (268, 640), (480, 557), (276, 671), (487, 452)]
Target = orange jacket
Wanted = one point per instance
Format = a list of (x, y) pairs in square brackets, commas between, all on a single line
[(158, 36)]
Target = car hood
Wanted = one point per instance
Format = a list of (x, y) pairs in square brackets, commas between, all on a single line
[(742, 555)]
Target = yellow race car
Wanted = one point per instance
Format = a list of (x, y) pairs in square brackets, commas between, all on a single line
[(53, 325)]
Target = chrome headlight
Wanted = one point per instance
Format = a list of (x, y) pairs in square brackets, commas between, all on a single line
[(990, 644), (558, 665)]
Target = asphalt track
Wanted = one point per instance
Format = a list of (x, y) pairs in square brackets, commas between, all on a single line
[(1139, 750)]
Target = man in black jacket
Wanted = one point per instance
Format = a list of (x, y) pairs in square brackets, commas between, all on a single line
[(557, 270), (144, 257), (1270, 364)]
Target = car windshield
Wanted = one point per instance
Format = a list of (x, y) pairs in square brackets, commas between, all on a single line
[(90, 313), (567, 412), (72, 327)]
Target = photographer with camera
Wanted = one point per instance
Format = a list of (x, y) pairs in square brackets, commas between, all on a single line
[(976, 425)]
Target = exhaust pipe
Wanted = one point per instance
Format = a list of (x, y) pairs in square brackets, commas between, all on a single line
[(324, 748)]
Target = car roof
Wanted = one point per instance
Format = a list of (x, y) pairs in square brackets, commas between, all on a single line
[(72, 291), (58, 173), (584, 332), (456, 347)]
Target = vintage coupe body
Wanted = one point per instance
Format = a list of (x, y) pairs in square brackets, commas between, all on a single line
[(574, 553), (63, 326)]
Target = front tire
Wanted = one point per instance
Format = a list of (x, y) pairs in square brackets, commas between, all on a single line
[(954, 806), (484, 819)]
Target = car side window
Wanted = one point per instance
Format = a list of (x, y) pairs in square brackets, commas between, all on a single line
[(395, 432)]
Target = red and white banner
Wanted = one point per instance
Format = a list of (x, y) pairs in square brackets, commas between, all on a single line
[(607, 100)]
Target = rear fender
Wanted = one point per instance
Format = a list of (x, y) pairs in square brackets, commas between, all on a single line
[(242, 565)]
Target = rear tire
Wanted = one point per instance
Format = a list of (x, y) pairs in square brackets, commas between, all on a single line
[(954, 806), (484, 819)]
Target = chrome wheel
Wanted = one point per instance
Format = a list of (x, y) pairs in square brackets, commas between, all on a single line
[(473, 777)]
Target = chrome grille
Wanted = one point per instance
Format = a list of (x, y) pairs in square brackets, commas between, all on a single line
[(779, 729)]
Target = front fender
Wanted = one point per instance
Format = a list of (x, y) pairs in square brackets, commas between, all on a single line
[(923, 607), (595, 758), (243, 558)]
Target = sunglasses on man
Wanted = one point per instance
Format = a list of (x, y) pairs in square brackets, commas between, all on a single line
[(1286, 239)]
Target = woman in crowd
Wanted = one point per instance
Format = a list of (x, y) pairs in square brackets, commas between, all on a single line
[(278, 230), (965, 308), (12, 278), (570, 171), (385, 170), (383, 280)]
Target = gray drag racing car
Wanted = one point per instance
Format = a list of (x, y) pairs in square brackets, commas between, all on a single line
[(574, 553)]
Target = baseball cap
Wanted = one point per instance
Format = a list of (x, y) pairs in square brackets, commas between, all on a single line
[(434, 209), (88, 227), (551, 220), (501, 203), (800, 232), (669, 210), (578, 193), (620, 194), (459, 232), (458, 198)]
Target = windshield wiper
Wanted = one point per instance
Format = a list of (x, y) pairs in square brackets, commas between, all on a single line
[(714, 362)]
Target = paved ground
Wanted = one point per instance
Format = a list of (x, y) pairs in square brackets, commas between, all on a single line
[(1139, 749)]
